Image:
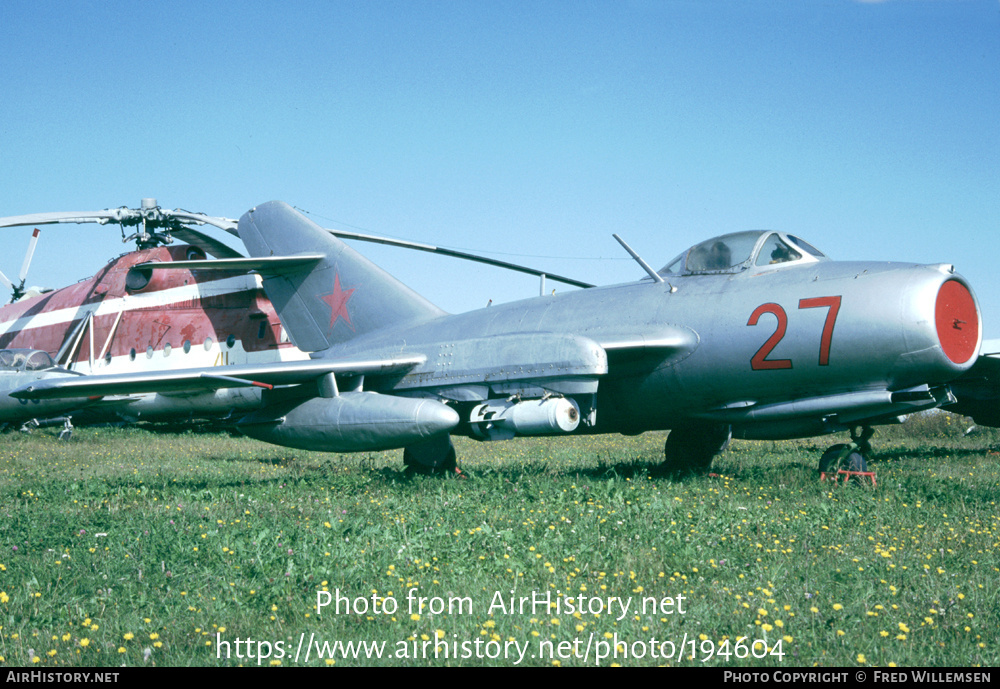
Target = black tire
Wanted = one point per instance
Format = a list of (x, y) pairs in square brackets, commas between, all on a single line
[(692, 449), (838, 457), (432, 457), (830, 462)]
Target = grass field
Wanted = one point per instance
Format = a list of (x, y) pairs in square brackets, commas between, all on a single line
[(146, 547)]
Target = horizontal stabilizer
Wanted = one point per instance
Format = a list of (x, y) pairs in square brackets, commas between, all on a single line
[(270, 265)]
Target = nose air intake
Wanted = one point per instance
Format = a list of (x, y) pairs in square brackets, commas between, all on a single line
[(956, 319)]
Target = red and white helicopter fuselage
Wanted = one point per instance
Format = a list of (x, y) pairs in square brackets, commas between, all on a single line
[(127, 319)]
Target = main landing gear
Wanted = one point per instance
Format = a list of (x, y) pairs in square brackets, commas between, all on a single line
[(692, 448), (432, 457)]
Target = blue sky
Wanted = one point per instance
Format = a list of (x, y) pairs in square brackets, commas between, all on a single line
[(526, 130)]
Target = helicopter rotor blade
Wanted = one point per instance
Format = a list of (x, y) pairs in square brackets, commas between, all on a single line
[(207, 244), (6, 281), (100, 217), (227, 224), (27, 257)]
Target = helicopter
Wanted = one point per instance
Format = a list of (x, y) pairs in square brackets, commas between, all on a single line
[(130, 318), (126, 318)]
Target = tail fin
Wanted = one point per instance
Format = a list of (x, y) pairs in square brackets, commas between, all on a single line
[(341, 297)]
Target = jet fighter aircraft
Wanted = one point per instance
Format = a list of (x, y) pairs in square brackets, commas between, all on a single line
[(20, 367), (755, 334)]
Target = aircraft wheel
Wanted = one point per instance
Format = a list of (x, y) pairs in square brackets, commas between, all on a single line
[(842, 456), (692, 448), (433, 457)]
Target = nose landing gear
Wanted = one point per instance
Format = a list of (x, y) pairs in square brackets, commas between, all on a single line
[(847, 461)]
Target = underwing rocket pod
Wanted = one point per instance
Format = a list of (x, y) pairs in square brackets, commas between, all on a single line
[(502, 420), (350, 422)]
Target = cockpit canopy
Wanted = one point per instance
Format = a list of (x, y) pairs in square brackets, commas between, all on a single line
[(733, 253), (25, 360)]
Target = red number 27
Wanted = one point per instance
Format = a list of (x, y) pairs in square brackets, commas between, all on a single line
[(760, 362)]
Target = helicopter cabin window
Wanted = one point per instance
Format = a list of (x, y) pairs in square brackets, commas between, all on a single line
[(262, 330), (149, 352), (187, 346), (775, 251), (166, 349), (208, 344), (131, 354), (231, 341)]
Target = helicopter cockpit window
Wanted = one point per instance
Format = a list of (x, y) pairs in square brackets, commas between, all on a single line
[(25, 360), (775, 251), (38, 361)]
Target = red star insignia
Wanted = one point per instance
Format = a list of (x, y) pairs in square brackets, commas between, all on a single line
[(337, 301)]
